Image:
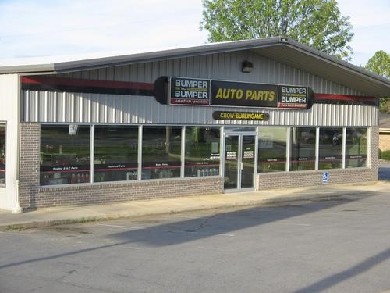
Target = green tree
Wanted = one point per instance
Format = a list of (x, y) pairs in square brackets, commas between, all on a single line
[(317, 23), (380, 64)]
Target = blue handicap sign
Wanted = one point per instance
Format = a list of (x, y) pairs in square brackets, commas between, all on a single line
[(325, 177)]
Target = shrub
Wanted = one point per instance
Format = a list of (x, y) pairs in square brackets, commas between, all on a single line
[(385, 155)]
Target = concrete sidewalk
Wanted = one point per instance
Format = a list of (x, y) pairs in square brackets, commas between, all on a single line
[(73, 214)]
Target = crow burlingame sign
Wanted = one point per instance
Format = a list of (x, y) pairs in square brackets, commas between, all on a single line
[(193, 91), (224, 115)]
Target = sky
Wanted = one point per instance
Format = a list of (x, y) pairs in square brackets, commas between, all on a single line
[(45, 31)]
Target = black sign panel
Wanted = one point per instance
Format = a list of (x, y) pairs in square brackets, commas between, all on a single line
[(243, 94), (204, 92), (161, 85), (189, 91), (68, 168)]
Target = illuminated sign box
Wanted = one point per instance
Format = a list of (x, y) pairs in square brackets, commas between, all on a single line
[(294, 97), (189, 91)]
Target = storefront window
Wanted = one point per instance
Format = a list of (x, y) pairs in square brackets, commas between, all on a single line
[(303, 148), (2, 154), (161, 152), (356, 152), (330, 148), (65, 155), (202, 152), (271, 149), (115, 153)]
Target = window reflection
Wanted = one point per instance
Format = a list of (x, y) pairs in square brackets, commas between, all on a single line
[(356, 154), (330, 148), (65, 155), (65, 151), (161, 152), (303, 151), (115, 153), (271, 149), (202, 152), (2, 154)]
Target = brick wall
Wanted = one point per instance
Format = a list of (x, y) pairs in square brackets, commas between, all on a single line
[(278, 180), (29, 163), (374, 150), (100, 193)]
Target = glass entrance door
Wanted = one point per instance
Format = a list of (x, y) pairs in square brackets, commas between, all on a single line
[(239, 161)]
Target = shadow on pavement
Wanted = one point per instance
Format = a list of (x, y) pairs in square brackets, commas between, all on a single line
[(175, 233), (334, 279)]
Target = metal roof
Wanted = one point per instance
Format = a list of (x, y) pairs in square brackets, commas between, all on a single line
[(281, 49)]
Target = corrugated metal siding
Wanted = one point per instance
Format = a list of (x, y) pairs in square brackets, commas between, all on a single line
[(62, 107), (225, 66), (54, 107)]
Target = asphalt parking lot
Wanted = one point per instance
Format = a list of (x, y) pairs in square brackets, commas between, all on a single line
[(319, 245)]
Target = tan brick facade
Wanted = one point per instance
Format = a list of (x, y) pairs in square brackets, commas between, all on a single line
[(101, 193), (29, 163), (313, 178)]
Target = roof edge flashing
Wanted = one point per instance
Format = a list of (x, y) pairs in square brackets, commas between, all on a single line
[(27, 69), (210, 48)]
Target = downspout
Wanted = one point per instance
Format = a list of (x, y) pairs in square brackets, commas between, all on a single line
[(17, 209)]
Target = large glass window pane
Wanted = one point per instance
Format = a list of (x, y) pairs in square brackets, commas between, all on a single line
[(202, 151), (2, 154), (303, 148), (115, 153), (161, 152), (356, 153), (271, 149), (65, 155), (330, 148)]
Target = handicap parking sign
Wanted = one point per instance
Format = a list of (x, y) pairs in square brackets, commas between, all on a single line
[(325, 177)]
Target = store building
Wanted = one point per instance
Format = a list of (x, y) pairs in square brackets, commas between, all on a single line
[(257, 114), (384, 132)]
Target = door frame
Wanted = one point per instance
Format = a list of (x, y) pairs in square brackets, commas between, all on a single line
[(240, 133)]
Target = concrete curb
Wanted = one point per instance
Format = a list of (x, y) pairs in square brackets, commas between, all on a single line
[(213, 203), (216, 207)]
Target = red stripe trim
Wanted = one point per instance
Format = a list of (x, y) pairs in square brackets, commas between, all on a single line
[(66, 171), (111, 84), (73, 83), (333, 97)]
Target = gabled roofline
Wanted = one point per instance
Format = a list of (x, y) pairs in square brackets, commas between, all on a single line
[(96, 63), (266, 47)]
